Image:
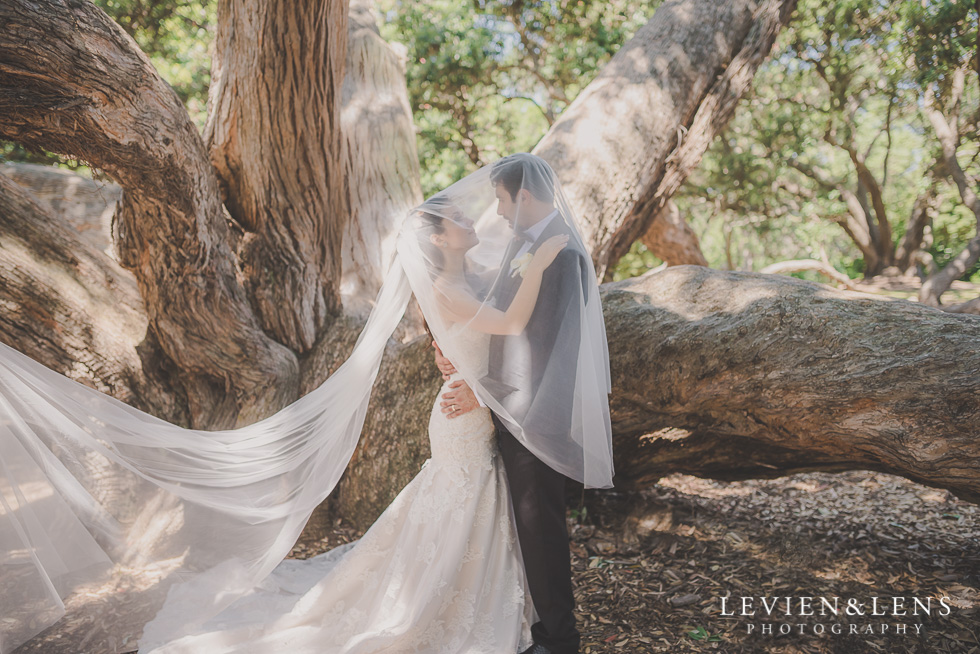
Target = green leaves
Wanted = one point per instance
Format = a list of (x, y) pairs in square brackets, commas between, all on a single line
[(700, 633), (488, 78)]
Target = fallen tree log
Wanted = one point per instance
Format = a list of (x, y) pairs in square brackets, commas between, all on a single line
[(745, 375), (736, 375)]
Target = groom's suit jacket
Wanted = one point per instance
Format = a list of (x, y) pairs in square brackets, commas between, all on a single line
[(547, 350)]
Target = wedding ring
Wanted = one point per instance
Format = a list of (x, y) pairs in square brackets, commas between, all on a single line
[(454, 408)]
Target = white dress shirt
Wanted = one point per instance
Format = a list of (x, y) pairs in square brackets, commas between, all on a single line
[(534, 232)]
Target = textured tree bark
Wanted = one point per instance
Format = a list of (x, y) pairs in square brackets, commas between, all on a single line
[(72, 81), (382, 160), (274, 137), (672, 240), (630, 139), (72, 308), (745, 375)]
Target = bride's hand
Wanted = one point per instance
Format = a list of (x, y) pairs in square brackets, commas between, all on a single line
[(545, 255)]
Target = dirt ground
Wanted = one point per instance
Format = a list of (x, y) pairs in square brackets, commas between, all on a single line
[(651, 567)]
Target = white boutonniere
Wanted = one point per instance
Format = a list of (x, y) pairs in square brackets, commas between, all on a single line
[(519, 265)]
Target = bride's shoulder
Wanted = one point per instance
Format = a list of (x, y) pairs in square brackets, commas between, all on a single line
[(451, 289)]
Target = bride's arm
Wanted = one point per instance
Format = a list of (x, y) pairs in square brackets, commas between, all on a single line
[(485, 318)]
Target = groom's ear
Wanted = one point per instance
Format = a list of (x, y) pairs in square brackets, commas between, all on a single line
[(524, 196)]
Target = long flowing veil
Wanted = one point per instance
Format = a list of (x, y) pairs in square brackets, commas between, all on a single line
[(91, 487)]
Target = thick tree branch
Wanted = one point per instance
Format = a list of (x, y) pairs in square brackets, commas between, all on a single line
[(71, 81), (949, 138), (629, 140), (68, 305), (672, 240), (381, 157), (746, 375)]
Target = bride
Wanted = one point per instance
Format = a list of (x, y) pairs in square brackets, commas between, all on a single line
[(212, 514), (438, 571)]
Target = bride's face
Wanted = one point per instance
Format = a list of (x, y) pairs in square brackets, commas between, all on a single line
[(459, 233)]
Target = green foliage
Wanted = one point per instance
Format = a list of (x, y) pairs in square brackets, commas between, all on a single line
[(840, 72), (700, 633), (176, 35), (942, 36), (488, 78), (635, 262), (953, 228)]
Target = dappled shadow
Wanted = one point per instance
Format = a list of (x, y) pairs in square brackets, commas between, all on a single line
[(854, 535)]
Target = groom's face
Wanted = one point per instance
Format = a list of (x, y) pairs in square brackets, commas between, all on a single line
[(506, 207)]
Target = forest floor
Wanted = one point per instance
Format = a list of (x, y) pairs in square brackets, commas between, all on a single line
[(651, 567)]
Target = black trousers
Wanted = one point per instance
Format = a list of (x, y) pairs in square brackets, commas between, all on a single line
[(538, 494)]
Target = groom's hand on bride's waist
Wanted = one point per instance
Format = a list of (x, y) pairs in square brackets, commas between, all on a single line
[(445, 366), (458, 401)]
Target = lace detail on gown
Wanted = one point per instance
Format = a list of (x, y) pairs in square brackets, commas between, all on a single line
[(438, 572)]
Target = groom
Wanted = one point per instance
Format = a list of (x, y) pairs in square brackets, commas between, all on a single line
[(517, 365)]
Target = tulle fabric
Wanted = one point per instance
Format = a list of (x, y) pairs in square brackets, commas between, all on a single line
[(549, 384), (91, 487), (438, 572)]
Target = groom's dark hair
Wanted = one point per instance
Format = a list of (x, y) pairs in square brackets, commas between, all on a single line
[(518, 171)]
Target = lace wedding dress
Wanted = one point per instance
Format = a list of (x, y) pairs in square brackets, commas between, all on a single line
[(439, 572)]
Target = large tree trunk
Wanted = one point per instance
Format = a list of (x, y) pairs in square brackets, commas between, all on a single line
[(72, 81), (382, 160), (631, 138), (274, 137)]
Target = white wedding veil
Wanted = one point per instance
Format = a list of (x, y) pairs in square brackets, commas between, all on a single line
[(546, 379), (93, 489)]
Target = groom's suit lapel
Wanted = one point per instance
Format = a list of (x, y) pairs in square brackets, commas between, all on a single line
[(510, 282), (555, 227), (507, 286)]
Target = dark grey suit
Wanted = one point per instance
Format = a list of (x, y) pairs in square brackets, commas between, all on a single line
[(516, 368)]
